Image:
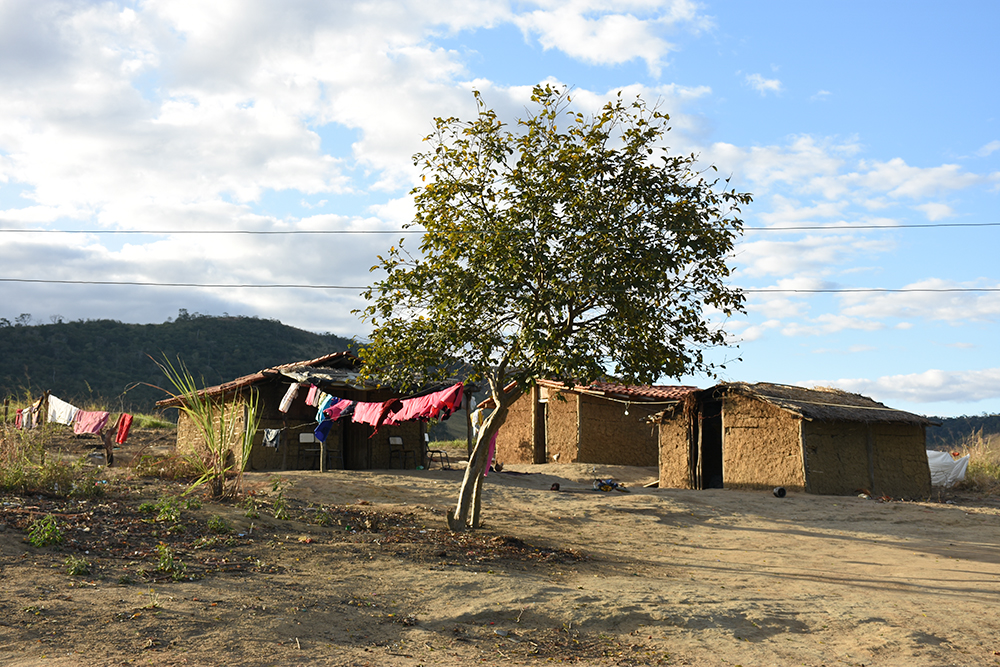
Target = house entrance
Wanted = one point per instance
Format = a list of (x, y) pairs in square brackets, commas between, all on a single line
[(711, 445)]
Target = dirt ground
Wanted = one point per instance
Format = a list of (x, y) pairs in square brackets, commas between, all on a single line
[(363, 572)]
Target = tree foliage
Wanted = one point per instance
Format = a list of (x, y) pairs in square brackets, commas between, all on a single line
[(565, 246)]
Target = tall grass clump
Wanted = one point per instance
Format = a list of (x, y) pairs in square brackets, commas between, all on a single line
[(983, 475), (224, 450), (24, 468)]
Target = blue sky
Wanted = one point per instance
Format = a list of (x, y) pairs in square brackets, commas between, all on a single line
[(182, 115)]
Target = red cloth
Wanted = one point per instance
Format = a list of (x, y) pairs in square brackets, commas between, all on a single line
[(90, 422), (124, 424)]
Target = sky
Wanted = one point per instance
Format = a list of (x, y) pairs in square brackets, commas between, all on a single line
[(128, 129)]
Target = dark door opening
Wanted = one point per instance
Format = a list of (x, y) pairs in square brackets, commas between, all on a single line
[(711, 445)]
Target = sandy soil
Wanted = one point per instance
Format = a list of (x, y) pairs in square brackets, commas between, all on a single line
[(364, 572)]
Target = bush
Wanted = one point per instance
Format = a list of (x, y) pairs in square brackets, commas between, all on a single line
[(45, 531), (76, 566)]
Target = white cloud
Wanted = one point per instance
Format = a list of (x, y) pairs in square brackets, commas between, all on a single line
[(830, 323), (810, 255), (930, 386), (944, 306), (989, 149), (820, 95), (762, 85), (936, 211), (609, 33)]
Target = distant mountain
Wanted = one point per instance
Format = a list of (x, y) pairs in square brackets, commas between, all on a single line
[(95, 361), (956, 430)]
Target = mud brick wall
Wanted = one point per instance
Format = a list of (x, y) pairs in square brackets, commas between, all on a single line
[(561, 428), (609, 436), (836, 457), (675, 453), (900, 461), (190, 440), (515, 437), (760, 445)]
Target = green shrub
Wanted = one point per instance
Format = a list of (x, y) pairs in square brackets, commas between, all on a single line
[(219, 526), (76, 566), (45, 531)]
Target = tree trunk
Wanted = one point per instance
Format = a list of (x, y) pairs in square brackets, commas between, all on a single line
[(470, 496)]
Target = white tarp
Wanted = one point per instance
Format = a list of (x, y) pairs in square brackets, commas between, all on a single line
[(946, 471)]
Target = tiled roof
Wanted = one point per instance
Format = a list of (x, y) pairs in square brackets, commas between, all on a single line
[(628, 392)]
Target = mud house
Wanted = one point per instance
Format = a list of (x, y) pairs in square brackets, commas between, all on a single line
[(348, 446), (823, 441), (598, 423)]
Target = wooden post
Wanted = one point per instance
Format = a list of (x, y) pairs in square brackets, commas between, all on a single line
[(43, 409), (322, 455), (6, 407)]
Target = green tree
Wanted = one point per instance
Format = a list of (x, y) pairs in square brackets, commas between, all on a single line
[(564, 246)]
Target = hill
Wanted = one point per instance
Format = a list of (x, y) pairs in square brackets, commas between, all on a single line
[(105, 362), (954, 431)]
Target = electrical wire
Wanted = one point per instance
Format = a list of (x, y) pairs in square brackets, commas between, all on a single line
[(293, 232), (767, 290)]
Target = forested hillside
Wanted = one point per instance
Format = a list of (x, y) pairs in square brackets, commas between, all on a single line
[(97, 360), (956, 430)]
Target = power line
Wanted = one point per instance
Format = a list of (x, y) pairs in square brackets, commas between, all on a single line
[(767, 290), (294, 232)]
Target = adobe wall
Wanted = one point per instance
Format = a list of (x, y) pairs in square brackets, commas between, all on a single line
[(561, 429), (609, 436), (760, 445), (836, 458), (191, 441), (900, 461), (675, 453), (515, 437)]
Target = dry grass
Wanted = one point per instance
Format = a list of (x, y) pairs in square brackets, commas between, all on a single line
[(983, 476)]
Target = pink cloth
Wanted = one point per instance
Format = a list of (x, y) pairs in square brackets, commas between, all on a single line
[(490, 454), (333, 412), (90, 422), (311, 395), (429, 406), (367, 413)]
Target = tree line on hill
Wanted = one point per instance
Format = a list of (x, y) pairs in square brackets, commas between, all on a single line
[(111, 364), (955, 431)]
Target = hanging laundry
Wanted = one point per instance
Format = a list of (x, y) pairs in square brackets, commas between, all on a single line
[(90, 422), (286, 401), (18, 418), (61, 412), (322, 431), (122, 428), (323, 402), (336, 409), (439, 404), (272, 437), (311, 395)]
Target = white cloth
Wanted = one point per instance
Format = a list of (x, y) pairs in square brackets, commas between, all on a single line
[(61, 412), (286, 402)]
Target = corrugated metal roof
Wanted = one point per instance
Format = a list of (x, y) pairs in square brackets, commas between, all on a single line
[(340, 360)]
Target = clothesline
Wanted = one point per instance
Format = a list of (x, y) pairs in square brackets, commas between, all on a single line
[(61, 412)]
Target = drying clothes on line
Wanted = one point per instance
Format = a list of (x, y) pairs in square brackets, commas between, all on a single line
[(438, 405), (90, 422), (122, 428), (18, 418), (286, 401), (322, 431), (311, 395), (339, 409), (272, 437), (322, 404), (61, 412), (376, 414)]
